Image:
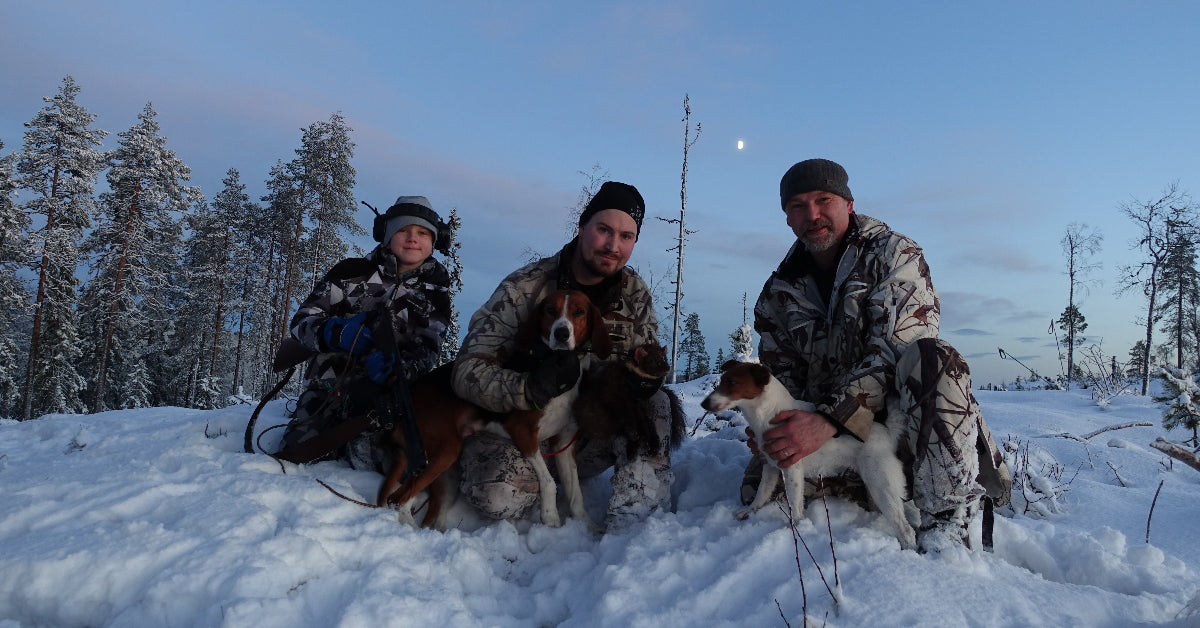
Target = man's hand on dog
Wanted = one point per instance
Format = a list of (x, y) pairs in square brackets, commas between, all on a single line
[(556, 374), (796, 434)]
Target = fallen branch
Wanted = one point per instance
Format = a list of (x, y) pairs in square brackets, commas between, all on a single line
[(1181, 454), (1117, 427), (1102, 430)]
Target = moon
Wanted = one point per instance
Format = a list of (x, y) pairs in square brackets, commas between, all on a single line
[(741, 144)]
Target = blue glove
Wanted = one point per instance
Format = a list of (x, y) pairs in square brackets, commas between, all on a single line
[(349, 335), (379, 366)]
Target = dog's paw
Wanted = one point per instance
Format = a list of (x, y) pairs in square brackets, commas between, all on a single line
[(551, 519), (743, 514)]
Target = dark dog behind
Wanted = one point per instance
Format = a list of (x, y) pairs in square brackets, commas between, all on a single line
[(612, 395), (444, 420)]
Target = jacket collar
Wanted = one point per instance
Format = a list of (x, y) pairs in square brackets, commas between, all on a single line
[(606, 295), (799, 262)]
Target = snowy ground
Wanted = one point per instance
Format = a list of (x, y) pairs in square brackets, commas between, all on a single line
[(155, 517)]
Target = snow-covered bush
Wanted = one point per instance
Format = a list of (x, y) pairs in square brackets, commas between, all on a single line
[(1038, 478), (1181, 397)]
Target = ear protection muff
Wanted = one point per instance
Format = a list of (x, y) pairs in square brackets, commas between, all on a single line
[(379, 227)]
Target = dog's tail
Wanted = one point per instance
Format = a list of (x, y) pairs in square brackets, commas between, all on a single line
[(678, 419)]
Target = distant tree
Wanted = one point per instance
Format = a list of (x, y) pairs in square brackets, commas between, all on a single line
[(1072, 322), (1159, 224), (1079, 244), (693, 348), (1181, 294), (450, 346), (59, 164), (719, 360), (14, 298), (128, 302), (1137, 359)]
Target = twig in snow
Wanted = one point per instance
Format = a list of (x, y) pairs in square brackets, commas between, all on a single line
[(1152, 503), (699, 422), (829, 526), (1120, 480), (796, 539), (796, 535)]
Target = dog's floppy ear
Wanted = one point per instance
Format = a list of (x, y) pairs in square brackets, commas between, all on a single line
[(530, 331), (728, 365), (761, 375), (601, 343)]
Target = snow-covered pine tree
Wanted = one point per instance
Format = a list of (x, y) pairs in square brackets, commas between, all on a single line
[(693, 348), (59, 164), (213, 277), (720, 359), (14, 224), (322, 182), (279, 229), (248, 306), (450, 346), (327, 179), (135, 249), (1181, 297), (1182, 398), (741, 343)]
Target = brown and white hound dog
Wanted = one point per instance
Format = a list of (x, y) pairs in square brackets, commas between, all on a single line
[(564, 320)]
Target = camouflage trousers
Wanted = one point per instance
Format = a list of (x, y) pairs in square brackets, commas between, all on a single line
[(497, 480), (317, 411), (949, 454)]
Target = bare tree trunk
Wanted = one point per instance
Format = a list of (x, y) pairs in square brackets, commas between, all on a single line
[(683, 232), (1149, 335), (35, 339), (110, 326)]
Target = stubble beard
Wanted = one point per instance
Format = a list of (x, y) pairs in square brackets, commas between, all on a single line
[(819, 243)]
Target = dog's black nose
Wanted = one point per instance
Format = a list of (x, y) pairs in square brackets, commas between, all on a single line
[(562, 334)]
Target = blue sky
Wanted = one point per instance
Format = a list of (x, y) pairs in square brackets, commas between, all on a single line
[(979, 129)]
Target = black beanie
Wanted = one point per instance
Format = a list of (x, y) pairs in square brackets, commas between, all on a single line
[(615, 195), (814, 174)]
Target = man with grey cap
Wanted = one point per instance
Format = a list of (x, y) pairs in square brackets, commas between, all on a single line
[(371, 325), (495, 478), (849, 322)]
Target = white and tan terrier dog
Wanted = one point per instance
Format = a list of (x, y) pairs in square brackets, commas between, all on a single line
[(760, 396)]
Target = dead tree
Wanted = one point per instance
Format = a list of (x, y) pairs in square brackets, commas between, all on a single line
[(688, 141)]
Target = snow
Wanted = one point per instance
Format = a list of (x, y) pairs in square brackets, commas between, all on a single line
[(155, 517)]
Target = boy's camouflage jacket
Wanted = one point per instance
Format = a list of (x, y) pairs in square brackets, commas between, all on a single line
[(416, 302)]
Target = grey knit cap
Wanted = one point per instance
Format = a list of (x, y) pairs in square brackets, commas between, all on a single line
[(814, 174), (407, 210)]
